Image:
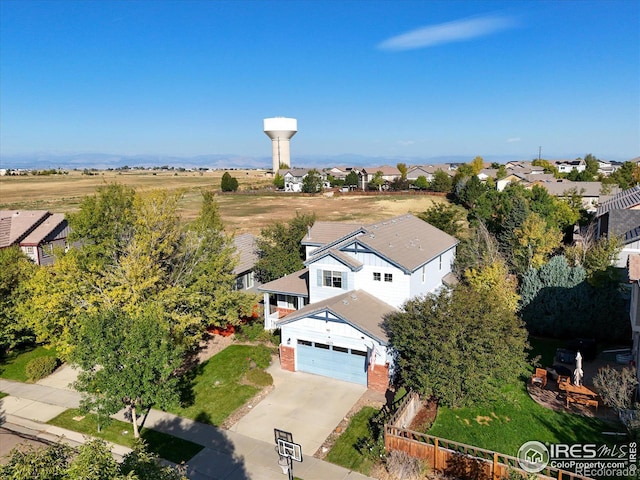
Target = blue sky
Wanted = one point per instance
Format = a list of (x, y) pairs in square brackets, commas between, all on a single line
[(373, 78)]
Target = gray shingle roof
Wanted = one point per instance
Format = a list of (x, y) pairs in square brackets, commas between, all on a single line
[(405, 241), (626, 199), (296, 283), (357, 307), (245, 245), (322, 233)]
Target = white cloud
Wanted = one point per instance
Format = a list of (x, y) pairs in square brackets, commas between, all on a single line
[(513, 140), (406, 143), (457, 31)]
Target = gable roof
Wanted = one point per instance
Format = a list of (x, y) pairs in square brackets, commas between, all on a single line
[(358, 308), (296, 283), (322, 233), (405, 241), (45, 229), (245, 245), (622, 201), (16, 224)]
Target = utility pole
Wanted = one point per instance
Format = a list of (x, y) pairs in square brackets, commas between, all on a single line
[(539, 153)]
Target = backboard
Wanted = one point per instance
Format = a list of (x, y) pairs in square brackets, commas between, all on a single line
[(290, 449)]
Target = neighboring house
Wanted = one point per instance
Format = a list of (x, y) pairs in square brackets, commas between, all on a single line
[(516, 178), (566, 166), (620, 216), (606, 167), (36, 232), (245, 245), (428, 171), (487, 173), (590, 192), (293, 178), (634, 311), (389, 174), (330, 313)]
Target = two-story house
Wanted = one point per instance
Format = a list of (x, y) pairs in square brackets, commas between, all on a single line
[(330, 313)]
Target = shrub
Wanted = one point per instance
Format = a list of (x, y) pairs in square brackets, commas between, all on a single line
[(41, 367), (253, 332)]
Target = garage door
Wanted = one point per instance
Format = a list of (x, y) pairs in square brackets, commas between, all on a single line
[(331, 361)]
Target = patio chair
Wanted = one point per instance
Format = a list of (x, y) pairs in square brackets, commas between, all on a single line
[(563, 381), (539, 378)]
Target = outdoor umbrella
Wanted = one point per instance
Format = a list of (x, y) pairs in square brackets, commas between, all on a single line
[(578, 373)]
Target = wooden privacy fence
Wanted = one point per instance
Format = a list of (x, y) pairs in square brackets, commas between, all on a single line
[(452, 458)]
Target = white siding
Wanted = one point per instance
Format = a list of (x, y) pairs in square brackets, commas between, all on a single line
[(317, 292), (395, 293), (333, 333), (434, 271)]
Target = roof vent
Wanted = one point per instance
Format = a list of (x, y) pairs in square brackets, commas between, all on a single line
[(345, 301)]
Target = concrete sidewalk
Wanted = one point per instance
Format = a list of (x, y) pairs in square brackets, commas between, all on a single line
[(226, 456)]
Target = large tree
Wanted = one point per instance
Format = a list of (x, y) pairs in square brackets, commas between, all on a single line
[(448, 218), (228, 183), (127, 360), (149, 255), (557, 301), (280, 250), (15, 271), (312, 182), (459, 347)]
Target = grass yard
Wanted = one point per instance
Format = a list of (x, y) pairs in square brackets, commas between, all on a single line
[(166, 446), (345, 452), (13, 366), (224, 383), (515, 419)]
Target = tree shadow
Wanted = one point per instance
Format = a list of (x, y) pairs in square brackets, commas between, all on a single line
[(218, 459)]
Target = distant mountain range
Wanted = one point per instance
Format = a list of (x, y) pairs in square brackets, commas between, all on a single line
[(104, 161)]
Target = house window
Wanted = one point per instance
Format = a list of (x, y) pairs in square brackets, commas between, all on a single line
[(377, 277), (424, 274), (306, 343), (28, 250), (440, 259), (250, 280), (289, 301), (388, 277), (240, 283), (332, 279)]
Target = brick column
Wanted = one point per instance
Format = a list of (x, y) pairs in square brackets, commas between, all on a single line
[(287, 358), (378, 378)]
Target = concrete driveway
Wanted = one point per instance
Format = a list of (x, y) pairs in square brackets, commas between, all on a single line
[(309, 406)]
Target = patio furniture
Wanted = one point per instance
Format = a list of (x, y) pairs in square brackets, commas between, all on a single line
[(539, 378), (565, 356), (563, 381)]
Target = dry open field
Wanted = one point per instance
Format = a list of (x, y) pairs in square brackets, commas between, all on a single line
[(249, 210)]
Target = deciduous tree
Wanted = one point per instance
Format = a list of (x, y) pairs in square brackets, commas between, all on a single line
[(312, 182), (130, 359), (280, 250), (458, 346)]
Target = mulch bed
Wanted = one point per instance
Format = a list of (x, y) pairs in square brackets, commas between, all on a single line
[(425, 417)]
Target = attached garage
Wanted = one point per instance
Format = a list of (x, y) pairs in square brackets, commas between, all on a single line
[(348, 364), (341, 338)]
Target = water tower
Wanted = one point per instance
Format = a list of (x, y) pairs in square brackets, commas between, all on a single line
[(280, 130)]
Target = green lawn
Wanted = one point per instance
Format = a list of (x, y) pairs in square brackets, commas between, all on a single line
[(13, 366), (221, 385), (505, 425), (166, 446), (345, 452)]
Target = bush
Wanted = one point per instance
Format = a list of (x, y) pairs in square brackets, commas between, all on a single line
[(41, 367), (253, 332)]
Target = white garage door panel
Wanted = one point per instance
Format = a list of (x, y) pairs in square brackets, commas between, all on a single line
[(334, 362)]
